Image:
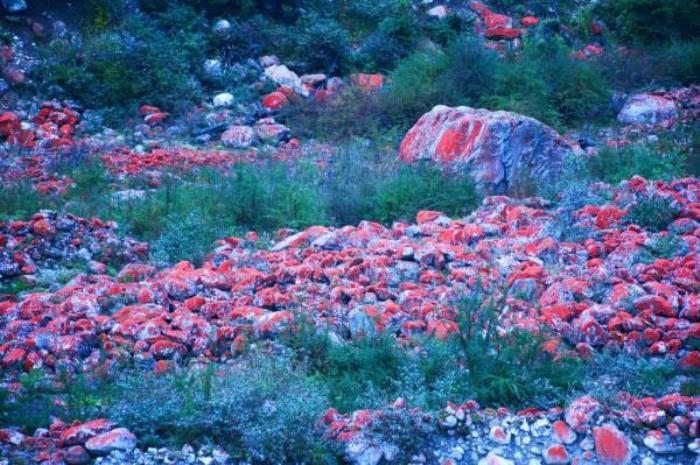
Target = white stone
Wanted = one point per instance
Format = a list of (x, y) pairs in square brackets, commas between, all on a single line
[(283, 76), (223, 99)]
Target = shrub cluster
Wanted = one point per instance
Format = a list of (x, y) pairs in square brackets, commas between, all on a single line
[(135, 59), (544, 81), (359, 183)]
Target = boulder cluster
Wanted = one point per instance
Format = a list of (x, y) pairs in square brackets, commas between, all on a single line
[(600, 292), (51, 241)]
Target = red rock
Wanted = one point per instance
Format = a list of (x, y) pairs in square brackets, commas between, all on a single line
[(481, 141), (426, 216), (117, 439), (165, 349), (275, 101), (368, 82), (148, 109), (529, 21), (238, 137), (9, 123), (80, 433), (556, 454), (499, 435), (563, 433), (589, 51), (14, 357), (656, 304), (690, 360), (611, 445), (155, 118), (580, 413), (76, 455), (503, 33)]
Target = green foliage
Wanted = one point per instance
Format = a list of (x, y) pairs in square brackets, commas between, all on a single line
[(19, 201), (188, 238), (316, 44), (513, 367), (413, 87), (423, 187), (650, 21), (653, 213), (249, 408), (611, 373), (671, 64), (547, 83), (650, 161), (141, 59), (510, 369), (668, 246)]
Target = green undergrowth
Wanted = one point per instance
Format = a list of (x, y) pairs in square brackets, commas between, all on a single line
[(359, 183), (248, 404)]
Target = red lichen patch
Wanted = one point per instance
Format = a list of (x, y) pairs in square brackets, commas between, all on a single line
[(611, 445), (275, 100), (368, 82), (529, 21)]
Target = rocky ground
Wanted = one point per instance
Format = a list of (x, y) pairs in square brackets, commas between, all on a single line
[(610, 269)]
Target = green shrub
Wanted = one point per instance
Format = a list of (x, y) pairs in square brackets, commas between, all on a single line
[(423, 187), (649, 21), (612, 373), (653, 213), (189, 238), (142, 59), (412, 88), (316, 43), (649, 161), (548, 84), (247, 408), (20, 201)]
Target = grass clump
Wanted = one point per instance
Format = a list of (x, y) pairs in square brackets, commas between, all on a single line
[(653, 213), (650, 161)]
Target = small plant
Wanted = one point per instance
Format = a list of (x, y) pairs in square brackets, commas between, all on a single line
[(649, 161), (424, 187), (653, 213), (188, 238)]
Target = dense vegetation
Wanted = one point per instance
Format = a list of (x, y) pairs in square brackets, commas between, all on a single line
[(166, 43), (123, 58)]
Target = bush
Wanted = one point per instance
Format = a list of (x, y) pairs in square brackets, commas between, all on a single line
[(652, 65), (142, 59), (412, 88), (249, 408), (316, 43), (650, 161), (423, 187), (188, 238), (649, 21), (548, 84), (495, 369), (653, 213), (612, 373)]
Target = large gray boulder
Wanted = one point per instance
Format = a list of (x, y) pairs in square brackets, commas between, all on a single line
[(501, 150)]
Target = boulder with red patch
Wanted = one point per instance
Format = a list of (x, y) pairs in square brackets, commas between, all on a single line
[(501, 150)]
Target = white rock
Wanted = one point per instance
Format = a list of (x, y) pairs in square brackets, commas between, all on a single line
[(647, 108), (222, 27), (283, 76), (223, 99), (269, 60), (439, 11)]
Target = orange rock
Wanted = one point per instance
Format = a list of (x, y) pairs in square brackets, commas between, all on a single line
[(611, 445)]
